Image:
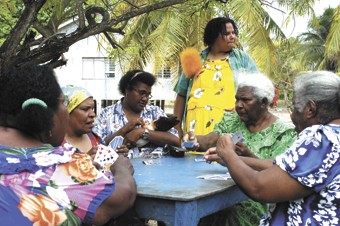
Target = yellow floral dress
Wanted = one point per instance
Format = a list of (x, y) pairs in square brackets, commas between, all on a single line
[(212, 91)]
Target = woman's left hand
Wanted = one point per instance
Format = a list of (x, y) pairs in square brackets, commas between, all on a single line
[(131, 137), (122, 150), (243, 150)]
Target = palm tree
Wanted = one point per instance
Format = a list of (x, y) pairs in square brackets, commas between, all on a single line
[(311, 51)]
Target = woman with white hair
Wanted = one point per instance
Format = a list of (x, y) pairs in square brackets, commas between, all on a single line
[(266, 137), (302, 184)]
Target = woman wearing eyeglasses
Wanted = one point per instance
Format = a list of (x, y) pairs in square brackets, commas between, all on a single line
[(128, 115)]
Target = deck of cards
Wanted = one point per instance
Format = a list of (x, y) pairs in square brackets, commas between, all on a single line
[(236, 137), (105, 156), (215, 176)]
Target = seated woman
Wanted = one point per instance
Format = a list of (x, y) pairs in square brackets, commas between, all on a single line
[(128, 115), (266, 137), (42, 183), (79, 131), (303, 183)]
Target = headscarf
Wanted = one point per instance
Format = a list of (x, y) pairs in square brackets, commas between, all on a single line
[(76, 96)]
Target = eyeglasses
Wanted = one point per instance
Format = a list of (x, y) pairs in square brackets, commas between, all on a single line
[(143, 93)]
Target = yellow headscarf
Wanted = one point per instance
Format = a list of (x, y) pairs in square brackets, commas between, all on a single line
[(76, 96)]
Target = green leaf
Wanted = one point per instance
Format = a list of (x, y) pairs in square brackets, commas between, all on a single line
[(72, 219), (218, 93), (74, 205), (208, 124), (52, 184), (12, 152), (82, 183)]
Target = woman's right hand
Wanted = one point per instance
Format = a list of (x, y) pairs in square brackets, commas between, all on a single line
[(191, 137), (133, 122), (122, 162)]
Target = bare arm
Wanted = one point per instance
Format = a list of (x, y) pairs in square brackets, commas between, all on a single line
[(159, 138), (267, 186), (202, 143), (123, 196), (178, 112)]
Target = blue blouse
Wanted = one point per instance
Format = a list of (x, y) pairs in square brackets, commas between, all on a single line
[(313, 160)]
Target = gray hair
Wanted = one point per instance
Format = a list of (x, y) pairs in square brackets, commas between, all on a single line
[(323, 88), (262, 86)]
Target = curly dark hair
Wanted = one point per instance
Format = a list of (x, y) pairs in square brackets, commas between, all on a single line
[(144, 77), (215, 27), (18, 85)]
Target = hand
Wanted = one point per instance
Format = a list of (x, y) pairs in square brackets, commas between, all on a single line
[(190, 136), (211, 156), (122, 150), (122, 162), (225, 146), (131, 137), (133, 122), (243, 150), (92, 153), (230, 110)]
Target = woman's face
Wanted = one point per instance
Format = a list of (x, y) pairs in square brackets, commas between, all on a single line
[(60, 120), (82, 118), (228, 40), (137, 97), (247, 106)]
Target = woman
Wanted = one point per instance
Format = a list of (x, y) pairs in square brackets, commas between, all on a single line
[(266, 137), (302, 183), (128, 115), (42, 183), (79, 131), (202, 99)]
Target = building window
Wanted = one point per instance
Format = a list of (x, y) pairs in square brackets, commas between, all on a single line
[(109, 68), (165, 72), (98, 68)]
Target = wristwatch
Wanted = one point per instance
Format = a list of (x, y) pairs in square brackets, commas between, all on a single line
[(146, 134)]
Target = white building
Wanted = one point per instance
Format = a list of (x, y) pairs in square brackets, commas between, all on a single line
[(88, 67)]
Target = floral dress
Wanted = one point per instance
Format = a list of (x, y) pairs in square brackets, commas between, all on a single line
[(313, 160), (268, 143), (50, 186), (213, 90)]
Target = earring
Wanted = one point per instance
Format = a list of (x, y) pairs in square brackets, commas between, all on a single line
[(50, 133)]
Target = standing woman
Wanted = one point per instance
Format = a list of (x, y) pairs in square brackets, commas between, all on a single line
[(202, 99)]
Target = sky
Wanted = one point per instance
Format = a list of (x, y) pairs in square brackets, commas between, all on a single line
[(300, 22)]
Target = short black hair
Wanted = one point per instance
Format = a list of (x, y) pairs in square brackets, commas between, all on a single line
[(215, 27), (22, 83), (143, 77)]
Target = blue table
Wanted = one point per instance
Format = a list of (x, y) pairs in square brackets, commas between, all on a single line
[(170, 191)]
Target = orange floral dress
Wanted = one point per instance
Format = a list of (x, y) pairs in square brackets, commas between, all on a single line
[(212, 91), (50, 186)]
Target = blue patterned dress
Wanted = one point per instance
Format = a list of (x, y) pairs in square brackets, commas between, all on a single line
[(313, 160)]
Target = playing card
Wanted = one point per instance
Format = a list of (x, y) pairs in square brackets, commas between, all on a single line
[(237, 137), (118, 140), (105, 156)]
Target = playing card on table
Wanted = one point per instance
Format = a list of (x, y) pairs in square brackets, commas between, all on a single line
[(105, 156)]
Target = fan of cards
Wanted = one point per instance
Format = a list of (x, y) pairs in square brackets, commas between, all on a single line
[(236, 137), (105, 156)]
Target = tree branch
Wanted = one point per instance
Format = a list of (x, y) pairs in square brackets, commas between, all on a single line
[(7, 50), (80, 14)]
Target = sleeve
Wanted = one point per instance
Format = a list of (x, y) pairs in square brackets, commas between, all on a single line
[(100, 125), (313, 159), (228, 124), (283, 143), (182, 85)]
